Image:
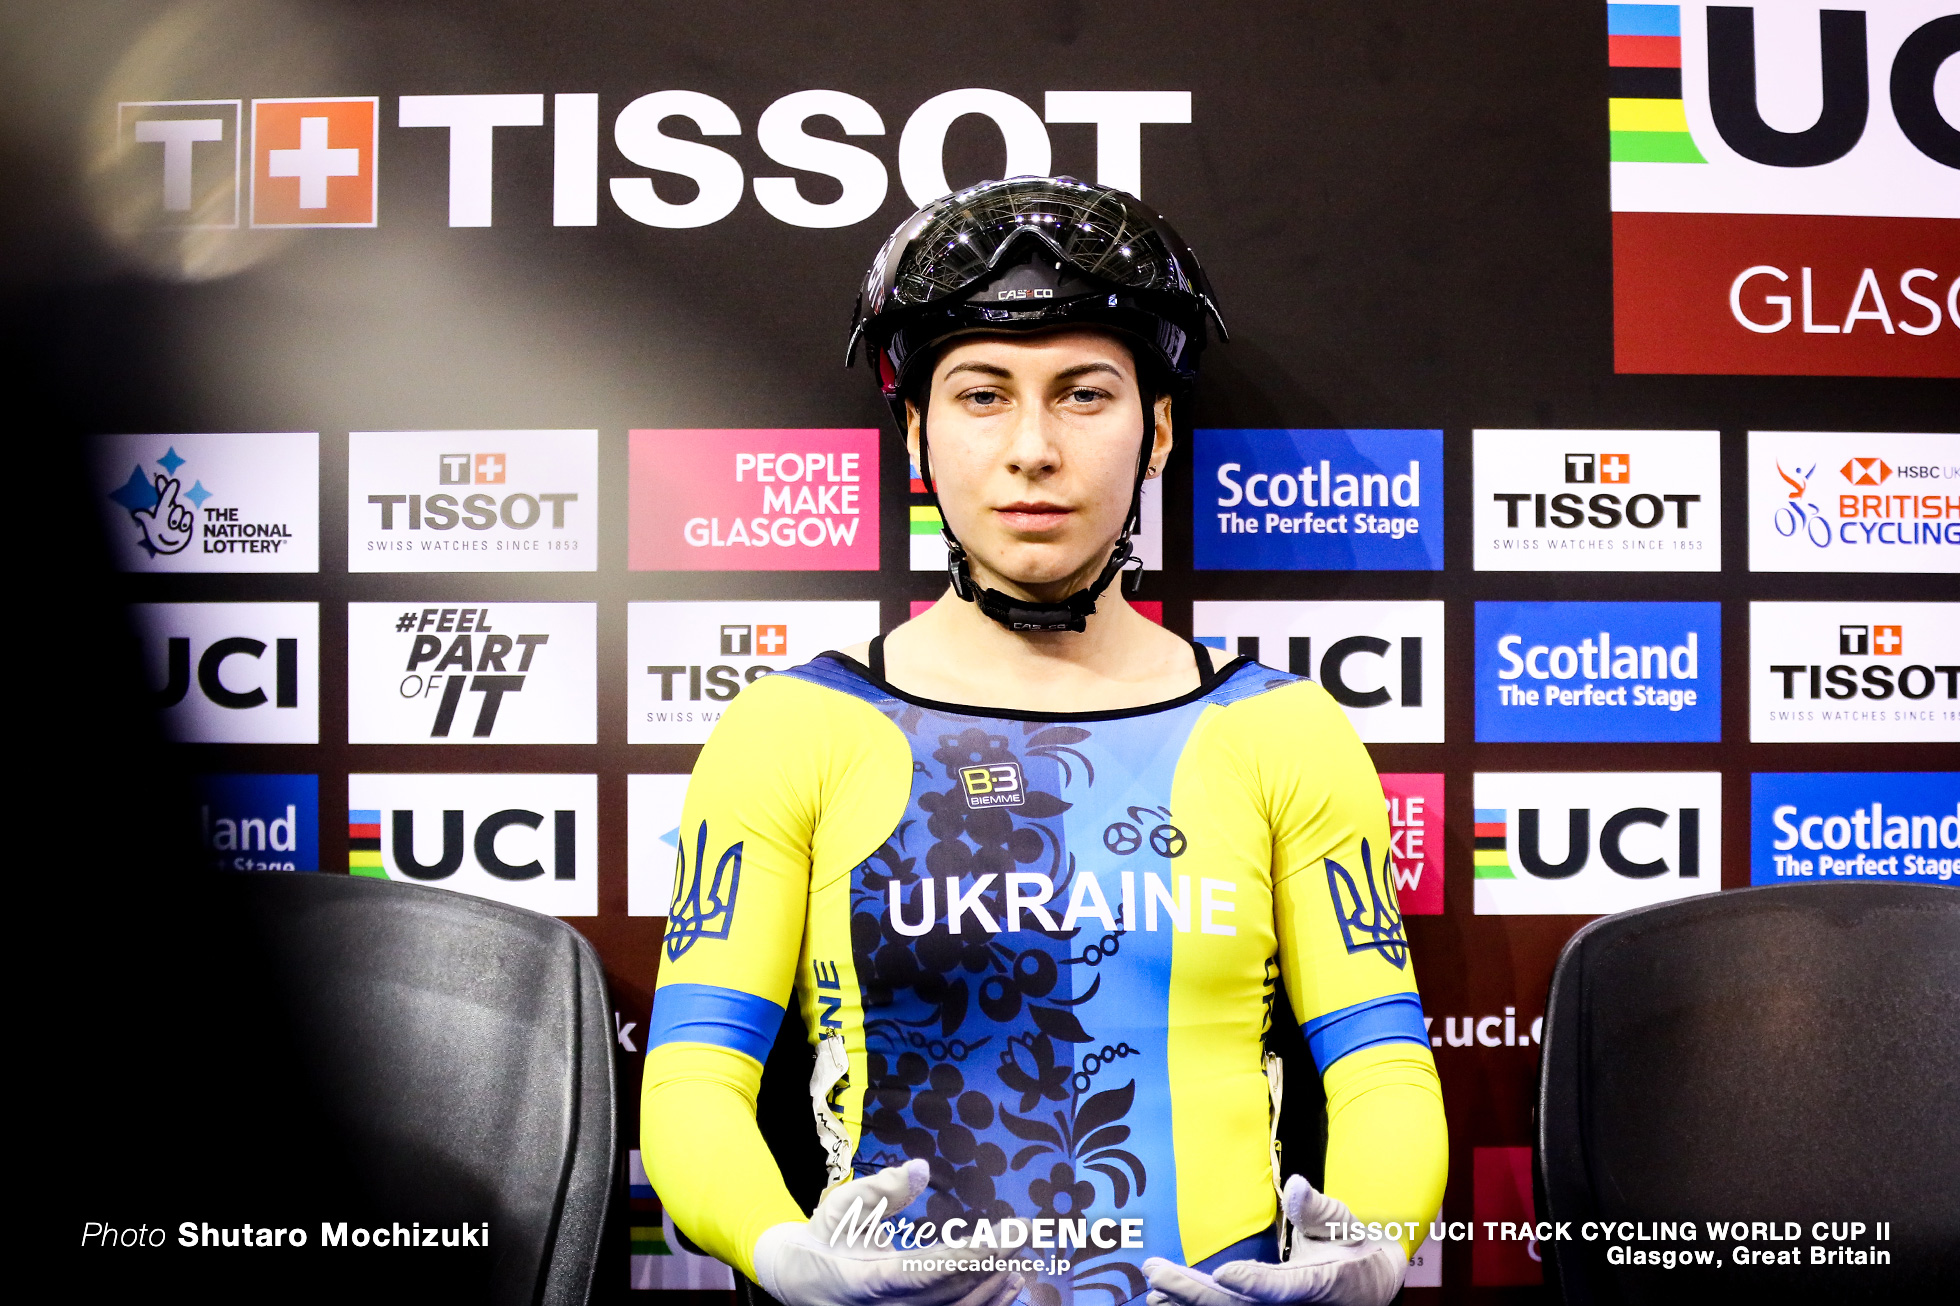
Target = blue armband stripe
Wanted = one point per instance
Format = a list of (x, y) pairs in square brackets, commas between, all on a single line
[(1396, 1018), (708, 1013)]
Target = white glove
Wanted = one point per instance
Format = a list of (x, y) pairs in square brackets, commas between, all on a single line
[(1319, 1267), (799, 1264)]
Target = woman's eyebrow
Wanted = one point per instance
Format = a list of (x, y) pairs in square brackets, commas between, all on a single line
[(1084, 369), (985, 369)]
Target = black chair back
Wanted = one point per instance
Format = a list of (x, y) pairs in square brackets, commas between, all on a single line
[(462, 1050), (1786, 1054)]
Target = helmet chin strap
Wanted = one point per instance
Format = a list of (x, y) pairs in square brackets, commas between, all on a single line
[(1071, 613)]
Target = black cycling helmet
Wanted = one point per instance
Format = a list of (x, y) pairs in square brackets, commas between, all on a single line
[(1031, 254)]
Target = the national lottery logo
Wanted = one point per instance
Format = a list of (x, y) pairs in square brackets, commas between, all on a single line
[(1344, 500), (233, 673), (211, 502), (1587, 843), (527, 840), (1873, 671), (1854, 502), (1599, 672), (753, 500), (1542, 504), (688, 661), (1382, 661), (505, 673), (472, 501)]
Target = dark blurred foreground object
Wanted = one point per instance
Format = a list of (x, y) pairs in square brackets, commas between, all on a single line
[(1781, 1054), (461, 1050)]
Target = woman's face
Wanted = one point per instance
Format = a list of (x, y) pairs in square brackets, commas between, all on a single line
[(1033, 441)]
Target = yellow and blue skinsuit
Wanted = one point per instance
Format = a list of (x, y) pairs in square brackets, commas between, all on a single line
[(1049, 945)]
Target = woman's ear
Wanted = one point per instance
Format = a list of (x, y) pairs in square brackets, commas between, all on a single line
[(912, 434), (1160, 445)]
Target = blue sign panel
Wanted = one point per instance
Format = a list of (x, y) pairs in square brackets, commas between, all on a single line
[(1326, 500), (259, 822), (1598, 672), (1900, 826)]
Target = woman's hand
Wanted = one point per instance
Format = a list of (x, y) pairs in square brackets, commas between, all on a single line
[(821, 1263), (1318, 1267)]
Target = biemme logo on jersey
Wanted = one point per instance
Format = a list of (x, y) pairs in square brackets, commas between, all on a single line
[(688, 661), (211, 502), (1381, 661), (1598, 501), (472, 500), (1854, 672), (527, 840), (503, 673), (998, 785), (753, 500), (1902, 827), (1599, 672), (1587, 843), (259, 822), (233, 673), (1784, 188), (1821, 501), (1317, 500)]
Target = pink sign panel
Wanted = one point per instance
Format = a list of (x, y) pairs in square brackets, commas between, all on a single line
[(1415, 841), (753, 500)]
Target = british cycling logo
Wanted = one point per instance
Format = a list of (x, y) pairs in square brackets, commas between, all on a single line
[(1821, 502), (1376, 924), (702, 908)]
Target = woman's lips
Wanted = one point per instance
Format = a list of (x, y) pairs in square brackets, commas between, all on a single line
[(1032, 516)]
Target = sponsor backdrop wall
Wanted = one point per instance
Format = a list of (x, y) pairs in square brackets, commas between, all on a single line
[(462, 387)]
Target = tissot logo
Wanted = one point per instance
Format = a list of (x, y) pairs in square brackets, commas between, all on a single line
[(688, 661), (1586, 843), (1853, 502), (472, 500), (211, 502), (739, 500), (1381, 661), (183, 159), (1541, 506), (1860, 825), (528, 840), (1874, 672), (1783, 188), (472, 673), (234, 673)]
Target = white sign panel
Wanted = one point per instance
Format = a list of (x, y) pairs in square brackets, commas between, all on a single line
[(653, 819), (472, 673), (472, 501), (211, 502), (233, 673), (1854, 672), (1598, 501), (687, 661), (1823, 501), (1381, 661)]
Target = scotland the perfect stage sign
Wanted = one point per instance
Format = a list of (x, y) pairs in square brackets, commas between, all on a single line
[(1599, 672), (1318, 500)]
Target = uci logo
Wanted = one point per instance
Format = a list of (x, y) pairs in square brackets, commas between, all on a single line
[(998, 785)]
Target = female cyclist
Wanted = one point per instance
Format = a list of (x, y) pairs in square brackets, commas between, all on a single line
[(1032, 866)]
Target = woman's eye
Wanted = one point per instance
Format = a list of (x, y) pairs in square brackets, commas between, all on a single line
[(983, 398), (1084, 396)]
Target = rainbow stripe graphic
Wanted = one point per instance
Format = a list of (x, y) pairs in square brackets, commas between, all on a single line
[(645, 1229), (1493, 824), (925, 514), (364, 844), (1644, 109)]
